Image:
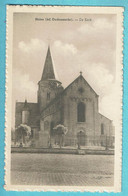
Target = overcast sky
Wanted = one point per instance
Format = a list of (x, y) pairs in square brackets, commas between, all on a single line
[(87, 46)]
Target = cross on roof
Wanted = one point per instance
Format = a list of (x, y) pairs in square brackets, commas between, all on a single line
[(81, 73)]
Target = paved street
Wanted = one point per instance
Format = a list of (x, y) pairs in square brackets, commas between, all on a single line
[(62, 169)]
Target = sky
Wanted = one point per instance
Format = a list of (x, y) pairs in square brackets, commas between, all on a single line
[(87, 43)]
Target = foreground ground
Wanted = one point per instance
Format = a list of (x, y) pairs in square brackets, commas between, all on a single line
[(62, 169)]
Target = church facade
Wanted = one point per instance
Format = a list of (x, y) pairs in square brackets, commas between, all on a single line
[(75, 107)]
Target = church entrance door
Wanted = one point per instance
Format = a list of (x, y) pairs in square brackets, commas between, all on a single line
[(81, 137)]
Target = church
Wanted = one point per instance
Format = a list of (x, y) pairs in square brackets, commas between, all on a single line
[(75, 107)]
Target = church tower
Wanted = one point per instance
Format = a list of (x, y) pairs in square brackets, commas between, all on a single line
[(25, 113), (48, 86)]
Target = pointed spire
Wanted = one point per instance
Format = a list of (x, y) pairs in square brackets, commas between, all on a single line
[(26, 107), (48, 72), (25, 103)]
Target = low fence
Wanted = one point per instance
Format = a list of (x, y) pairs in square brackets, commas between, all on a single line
[(105, 141), (62, 151), (97, 142)]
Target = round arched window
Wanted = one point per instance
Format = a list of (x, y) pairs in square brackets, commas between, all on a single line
[(81, 112)]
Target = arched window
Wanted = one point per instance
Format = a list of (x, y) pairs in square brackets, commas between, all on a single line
[(102, 129), (48, 96), (46, 125), (32, 133), (51, 128), (81, 112)]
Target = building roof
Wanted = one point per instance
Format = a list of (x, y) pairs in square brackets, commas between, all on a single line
[(48, 71), (34, 113), (101, 115), (80, 76), (61, 94)]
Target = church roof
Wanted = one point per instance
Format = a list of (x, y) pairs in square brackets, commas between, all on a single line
[(101, 115), (61, 94), (80, 76), (26, 107), (48, 71)]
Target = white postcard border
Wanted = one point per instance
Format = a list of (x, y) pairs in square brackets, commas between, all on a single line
[(119, 58)]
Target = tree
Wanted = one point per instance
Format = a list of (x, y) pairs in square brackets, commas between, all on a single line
[(60, 130), (22, 132)]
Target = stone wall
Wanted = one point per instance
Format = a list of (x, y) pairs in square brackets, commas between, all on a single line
[(72, 97), (43, 100), (50, 117), (107, 125)]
